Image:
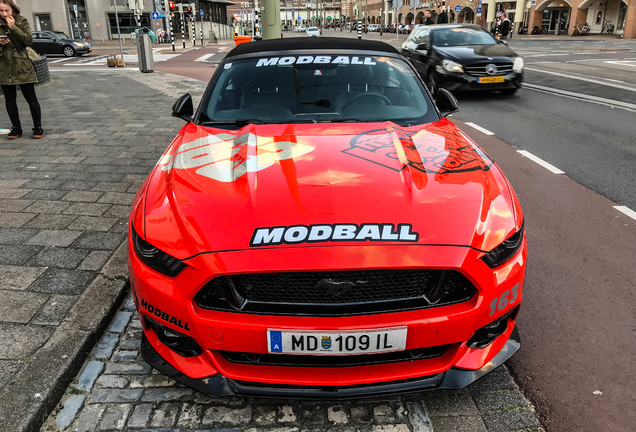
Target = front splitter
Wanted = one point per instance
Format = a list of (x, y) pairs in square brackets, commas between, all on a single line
[(220, 386)]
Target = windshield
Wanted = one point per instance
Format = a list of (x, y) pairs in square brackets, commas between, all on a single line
[(462, 36), (312, 29), (316, 88)]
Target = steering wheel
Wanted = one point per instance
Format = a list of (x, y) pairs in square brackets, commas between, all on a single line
[(371, 95)]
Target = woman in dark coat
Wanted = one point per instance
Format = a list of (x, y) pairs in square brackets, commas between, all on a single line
[(16, 69)]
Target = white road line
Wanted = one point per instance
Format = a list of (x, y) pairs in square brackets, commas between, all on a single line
[(592, 80), (480, 129), (623, 62), (129, 68), (580, 96), (204, 57), (629, 212), (60, 60), (541, 162)]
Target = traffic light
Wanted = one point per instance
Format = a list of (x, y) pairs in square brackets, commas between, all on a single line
[(189, 10), (171, 6)]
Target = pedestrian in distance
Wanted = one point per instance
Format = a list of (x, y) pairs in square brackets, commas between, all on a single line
[(428, 19), (442, 16), (504, 27), (16, 68)]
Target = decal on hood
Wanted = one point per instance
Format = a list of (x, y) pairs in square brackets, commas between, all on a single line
[(225, 157), (273, 61), (296, 234)]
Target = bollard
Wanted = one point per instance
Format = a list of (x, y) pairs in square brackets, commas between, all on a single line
[(359, 29)]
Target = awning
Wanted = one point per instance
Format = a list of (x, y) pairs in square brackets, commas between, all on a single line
[(329, 17)]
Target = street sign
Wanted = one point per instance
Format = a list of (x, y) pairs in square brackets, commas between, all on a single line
[(458, 9), (155, 15), (201, 12), (478, 10)]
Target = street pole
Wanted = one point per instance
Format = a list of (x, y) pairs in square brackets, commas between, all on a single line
[(121, 48)]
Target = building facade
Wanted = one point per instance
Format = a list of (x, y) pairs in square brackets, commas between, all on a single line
[(99, 18)]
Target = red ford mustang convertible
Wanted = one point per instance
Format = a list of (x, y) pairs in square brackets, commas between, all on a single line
[(319, 229)]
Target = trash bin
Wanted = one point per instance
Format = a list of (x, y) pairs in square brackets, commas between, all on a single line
[(144, 53), (242, 39)]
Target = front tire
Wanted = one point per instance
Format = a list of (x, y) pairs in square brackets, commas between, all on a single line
[(68, 51)]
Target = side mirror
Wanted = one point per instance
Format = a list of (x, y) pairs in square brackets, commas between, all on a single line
[(446, 102), (183, 108), (422, 47)]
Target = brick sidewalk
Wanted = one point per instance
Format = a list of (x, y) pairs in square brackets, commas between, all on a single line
[(64, 202)]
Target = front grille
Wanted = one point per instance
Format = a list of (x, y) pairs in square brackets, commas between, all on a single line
[(479, 69), (333, 361), (335, 292)]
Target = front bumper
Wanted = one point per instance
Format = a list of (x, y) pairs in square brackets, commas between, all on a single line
[(465, 82), (220, 386)]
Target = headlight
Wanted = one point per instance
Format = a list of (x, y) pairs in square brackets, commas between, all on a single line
[(155, 258), (517, 65), (451, 66), (78, 45), (505, 250)]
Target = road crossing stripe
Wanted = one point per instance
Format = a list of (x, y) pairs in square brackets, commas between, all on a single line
[(596, 80), (541, 162), (205, 57)]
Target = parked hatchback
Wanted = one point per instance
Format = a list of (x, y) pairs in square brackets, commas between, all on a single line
[(463, 57), (47, 42)]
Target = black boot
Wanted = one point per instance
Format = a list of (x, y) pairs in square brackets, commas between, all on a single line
[(16, 132), (38, 133)]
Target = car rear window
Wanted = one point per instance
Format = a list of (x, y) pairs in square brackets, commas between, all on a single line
[(317, 88)]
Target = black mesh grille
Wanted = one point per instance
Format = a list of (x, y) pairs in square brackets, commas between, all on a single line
[(335, 292), (479, 69), (333, 361)]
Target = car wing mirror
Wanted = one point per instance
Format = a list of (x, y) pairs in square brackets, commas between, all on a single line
[(446, 102), (422, 47), (183, 108)]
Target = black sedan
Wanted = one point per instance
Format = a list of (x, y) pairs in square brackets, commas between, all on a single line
[(463, 57), (46, 43)]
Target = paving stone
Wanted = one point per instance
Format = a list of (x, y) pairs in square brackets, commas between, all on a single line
[(465, 423), (112, 381), (129, 303), (128, 369), (159, 380), (120, 321), (43, 184), (285, 414), (99, 396), (16, 236), (93, 223), (95, 260), (62, 281), (511, 420), (337, 415), (8, 370), (265, 415), (12, 337), (117, 198), (14, 193), (499, 379), (77, 185), (99, 241), (106, 346), (18, 278), (118, 211), (218, 416), (89, 375), (59, 257), (383, 414), (159, 394), (191, 415), (20, 307), (360, 414), (59, 238), (55, 309), (448, 402), (45, 206), (13, 219), (165, 415), (50, 221), (112, 186), (114, 417), (125, 356), (14, 205), (82, 196), (500, 400), (70, 409), (45, 195), (18, 255), (88, 418), (140, 416), (87, 209)]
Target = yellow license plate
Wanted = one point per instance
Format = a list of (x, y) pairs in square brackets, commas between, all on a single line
[(489, 80)]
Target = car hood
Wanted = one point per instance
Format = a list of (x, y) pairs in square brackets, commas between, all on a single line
[(220, 190), (476, 52)]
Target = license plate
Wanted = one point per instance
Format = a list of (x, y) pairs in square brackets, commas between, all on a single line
[(489, 80), (335, 342)]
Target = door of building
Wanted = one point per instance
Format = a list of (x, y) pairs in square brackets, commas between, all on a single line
[(43, 22)]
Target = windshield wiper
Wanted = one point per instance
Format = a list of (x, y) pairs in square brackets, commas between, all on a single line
[(238, 122)]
